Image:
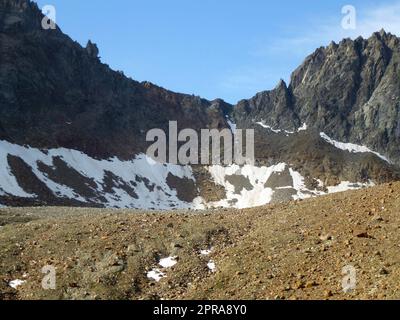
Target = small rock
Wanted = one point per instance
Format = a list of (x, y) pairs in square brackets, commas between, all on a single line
[(133, 248), (328, 293), (383, 272), (362, 234), (377, 218), (311, 284), (326, 237), (299, 285), (176, 245)]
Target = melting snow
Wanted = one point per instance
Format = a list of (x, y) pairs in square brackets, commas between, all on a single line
[(300, 186), (155, 275), (346, 185), (211, 265), (168, 262), (206, 252), (232, 125), (158, 196), (353, 148), (262, 124), (259, 195), (148, 180), (304, 127), (16, 283)]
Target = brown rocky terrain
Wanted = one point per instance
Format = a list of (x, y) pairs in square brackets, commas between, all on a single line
[(293, 250)]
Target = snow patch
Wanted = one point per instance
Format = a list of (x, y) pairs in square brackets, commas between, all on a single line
[(146, 177), (353, 148), (206, 252), (300, 186), (254, 192), (304, 127), (9, 184), (168, 262), (258, 195), (212, 266), (16, 283), (346, 185), (156, 275), (262, 124), (232, 125), (245, 186)]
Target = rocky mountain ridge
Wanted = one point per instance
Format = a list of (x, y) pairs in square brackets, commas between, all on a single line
[(72, 131), (350, 91), (98, 111)]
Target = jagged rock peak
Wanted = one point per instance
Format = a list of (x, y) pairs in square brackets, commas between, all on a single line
[(92, 49), (281, 84), (382, 32)]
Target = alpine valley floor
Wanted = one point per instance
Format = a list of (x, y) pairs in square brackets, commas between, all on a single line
[(294, 250)]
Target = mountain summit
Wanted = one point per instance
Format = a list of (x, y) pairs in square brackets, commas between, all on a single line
[(350, 91)]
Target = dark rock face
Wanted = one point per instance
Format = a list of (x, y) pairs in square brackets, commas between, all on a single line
[(19, 15), (276, 107), (350, 90), (92, 49), (55, 93)]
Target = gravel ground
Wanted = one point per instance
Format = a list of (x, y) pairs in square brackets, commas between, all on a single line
[(295, 250)]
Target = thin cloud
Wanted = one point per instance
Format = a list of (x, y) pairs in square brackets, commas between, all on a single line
[(321, 33), (386, 17)]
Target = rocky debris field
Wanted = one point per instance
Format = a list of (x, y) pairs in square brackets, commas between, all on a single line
[(295, 250)]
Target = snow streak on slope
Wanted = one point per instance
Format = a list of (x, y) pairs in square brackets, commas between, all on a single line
[(147, 178), (142, 183), (31, 156), (248, 186), (252, 191), (262, 124), (304, 127), (346, 185), (232, 125), (353, 148)]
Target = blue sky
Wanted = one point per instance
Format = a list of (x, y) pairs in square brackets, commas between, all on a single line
[(226, 49)]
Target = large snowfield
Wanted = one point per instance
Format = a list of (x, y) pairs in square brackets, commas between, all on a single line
[(148, 180)]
